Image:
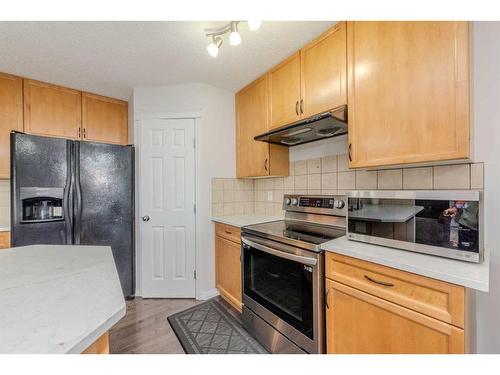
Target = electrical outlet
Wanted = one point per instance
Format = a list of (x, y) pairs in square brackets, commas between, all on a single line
[(269, 196)]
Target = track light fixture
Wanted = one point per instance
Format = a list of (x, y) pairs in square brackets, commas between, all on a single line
[(234, 37), (213, 47), (216, 35)]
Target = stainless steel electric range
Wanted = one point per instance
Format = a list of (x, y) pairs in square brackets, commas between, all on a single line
[(283, 273)]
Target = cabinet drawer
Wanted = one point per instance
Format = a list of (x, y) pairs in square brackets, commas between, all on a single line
[(431, 297), (4, 240), (228, 232), (360, 323)]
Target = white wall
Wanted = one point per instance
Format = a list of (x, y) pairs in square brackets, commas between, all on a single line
[(216, 157), (486, 116)]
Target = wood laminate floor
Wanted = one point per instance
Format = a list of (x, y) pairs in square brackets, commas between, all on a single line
[(145, 328)]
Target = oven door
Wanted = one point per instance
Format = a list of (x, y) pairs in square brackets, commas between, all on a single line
[(283, 285)]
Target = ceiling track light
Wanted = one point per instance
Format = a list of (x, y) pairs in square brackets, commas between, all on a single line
[(234, 35), (214, 46)]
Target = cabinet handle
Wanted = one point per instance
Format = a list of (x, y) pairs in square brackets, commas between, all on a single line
[(297, 107), (84, 133), (301, 105), (349, 152), (383, 283), (228, 232), (265, 164), (79, 132), (326, 298)]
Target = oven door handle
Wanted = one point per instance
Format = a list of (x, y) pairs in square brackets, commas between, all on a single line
[(296, 258)]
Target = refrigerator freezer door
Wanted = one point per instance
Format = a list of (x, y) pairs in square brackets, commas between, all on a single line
[(40, 190), (104, 204)]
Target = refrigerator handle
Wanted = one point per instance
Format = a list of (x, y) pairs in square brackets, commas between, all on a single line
[(78, 196), (68, 195)]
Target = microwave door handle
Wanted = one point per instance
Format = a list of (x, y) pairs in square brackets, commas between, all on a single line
[(281, 254)]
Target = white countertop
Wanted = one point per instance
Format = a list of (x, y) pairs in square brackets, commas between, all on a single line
[(392, 213), (470, 275), (57, 298), (245, 219)]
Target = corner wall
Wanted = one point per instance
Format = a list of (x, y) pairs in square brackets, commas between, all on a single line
[(486, 118), (215, 148)]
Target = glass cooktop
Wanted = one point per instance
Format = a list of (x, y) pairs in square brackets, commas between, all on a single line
[(294, 232)]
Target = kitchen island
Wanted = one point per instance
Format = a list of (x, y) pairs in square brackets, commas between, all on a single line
[(57, 298)]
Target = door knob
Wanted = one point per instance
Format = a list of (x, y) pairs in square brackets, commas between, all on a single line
[(145, 218)]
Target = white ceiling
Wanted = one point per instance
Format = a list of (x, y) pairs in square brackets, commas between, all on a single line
[(110, 58)]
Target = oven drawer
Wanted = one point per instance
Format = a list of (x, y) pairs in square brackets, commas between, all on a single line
[(431, 297), (228, 232)]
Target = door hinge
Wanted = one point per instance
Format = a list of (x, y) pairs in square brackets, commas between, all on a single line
[(194, 274), (194, 143), (194, 208)]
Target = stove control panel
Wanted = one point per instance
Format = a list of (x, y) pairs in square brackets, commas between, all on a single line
[(318, 202), (324, 204)]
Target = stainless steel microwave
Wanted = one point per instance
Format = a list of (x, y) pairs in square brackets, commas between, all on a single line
[(442, 223)]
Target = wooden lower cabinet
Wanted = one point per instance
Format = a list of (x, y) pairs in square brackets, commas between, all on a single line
[(373, 309), (4, 240), (359, 323), (100, 346), (228, 266)]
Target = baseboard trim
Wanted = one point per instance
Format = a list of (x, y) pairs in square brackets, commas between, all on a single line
[(207, 294)]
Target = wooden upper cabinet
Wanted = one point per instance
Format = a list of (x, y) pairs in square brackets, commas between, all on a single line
[(104, 119), (284, 87), (252, 119), (255, 158), (359, 323), (11, 116), (408, 92), (324, 72), (51, 110)]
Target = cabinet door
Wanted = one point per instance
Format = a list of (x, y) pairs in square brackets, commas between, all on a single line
[(252, 118), (228, 270), (324, 72), (11, 116), (52, 110), (284, 85), (359, 323), (4, 240), (104, 119), (408, 92)]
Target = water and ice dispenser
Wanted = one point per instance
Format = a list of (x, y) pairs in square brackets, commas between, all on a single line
[(41, 204)]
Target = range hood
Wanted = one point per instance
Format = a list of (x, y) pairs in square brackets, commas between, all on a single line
[(325, 125)]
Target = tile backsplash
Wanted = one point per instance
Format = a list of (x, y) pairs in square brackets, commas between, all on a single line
[(4, 201), (232, 196), (331, 175)]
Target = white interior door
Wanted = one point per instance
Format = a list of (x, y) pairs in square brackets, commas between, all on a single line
[(167, 198)]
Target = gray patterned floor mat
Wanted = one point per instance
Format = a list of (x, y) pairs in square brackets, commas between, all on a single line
[(208, 328)]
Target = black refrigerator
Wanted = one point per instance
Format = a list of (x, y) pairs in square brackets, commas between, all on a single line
[(74, 193)]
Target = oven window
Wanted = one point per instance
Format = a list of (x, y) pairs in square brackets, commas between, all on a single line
[(442, 223), (282, 286)]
